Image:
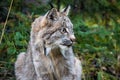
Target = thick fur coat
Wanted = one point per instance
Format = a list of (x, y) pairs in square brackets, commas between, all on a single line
[(50, 55)]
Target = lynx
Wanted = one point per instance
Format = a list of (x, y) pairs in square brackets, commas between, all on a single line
[(50, 55)]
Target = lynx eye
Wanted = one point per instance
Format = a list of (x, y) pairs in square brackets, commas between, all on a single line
[(63, 30)]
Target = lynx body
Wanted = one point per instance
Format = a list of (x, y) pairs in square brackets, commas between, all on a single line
[(50, 55)]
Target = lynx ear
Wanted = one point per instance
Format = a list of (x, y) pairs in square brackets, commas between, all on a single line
[(52, 14), (66, 10)]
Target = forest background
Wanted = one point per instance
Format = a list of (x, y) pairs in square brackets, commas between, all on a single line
[(96, 26)]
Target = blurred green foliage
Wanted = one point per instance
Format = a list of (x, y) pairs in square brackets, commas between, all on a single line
[(96, 27)]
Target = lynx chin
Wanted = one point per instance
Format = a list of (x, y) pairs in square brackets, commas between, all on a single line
[(50, 55)]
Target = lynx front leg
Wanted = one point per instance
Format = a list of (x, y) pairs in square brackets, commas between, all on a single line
[(73, 66), (37, 65), (78, 69), (42, 68), (19, 65), (41, 65)]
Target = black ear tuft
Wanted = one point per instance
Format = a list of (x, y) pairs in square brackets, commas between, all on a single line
[(51, 5), (66, 10)]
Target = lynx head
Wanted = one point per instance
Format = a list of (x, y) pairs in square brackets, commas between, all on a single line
[(58, 30)]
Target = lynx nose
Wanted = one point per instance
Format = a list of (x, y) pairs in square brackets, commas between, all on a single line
[(67, 42), (72, 38)]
